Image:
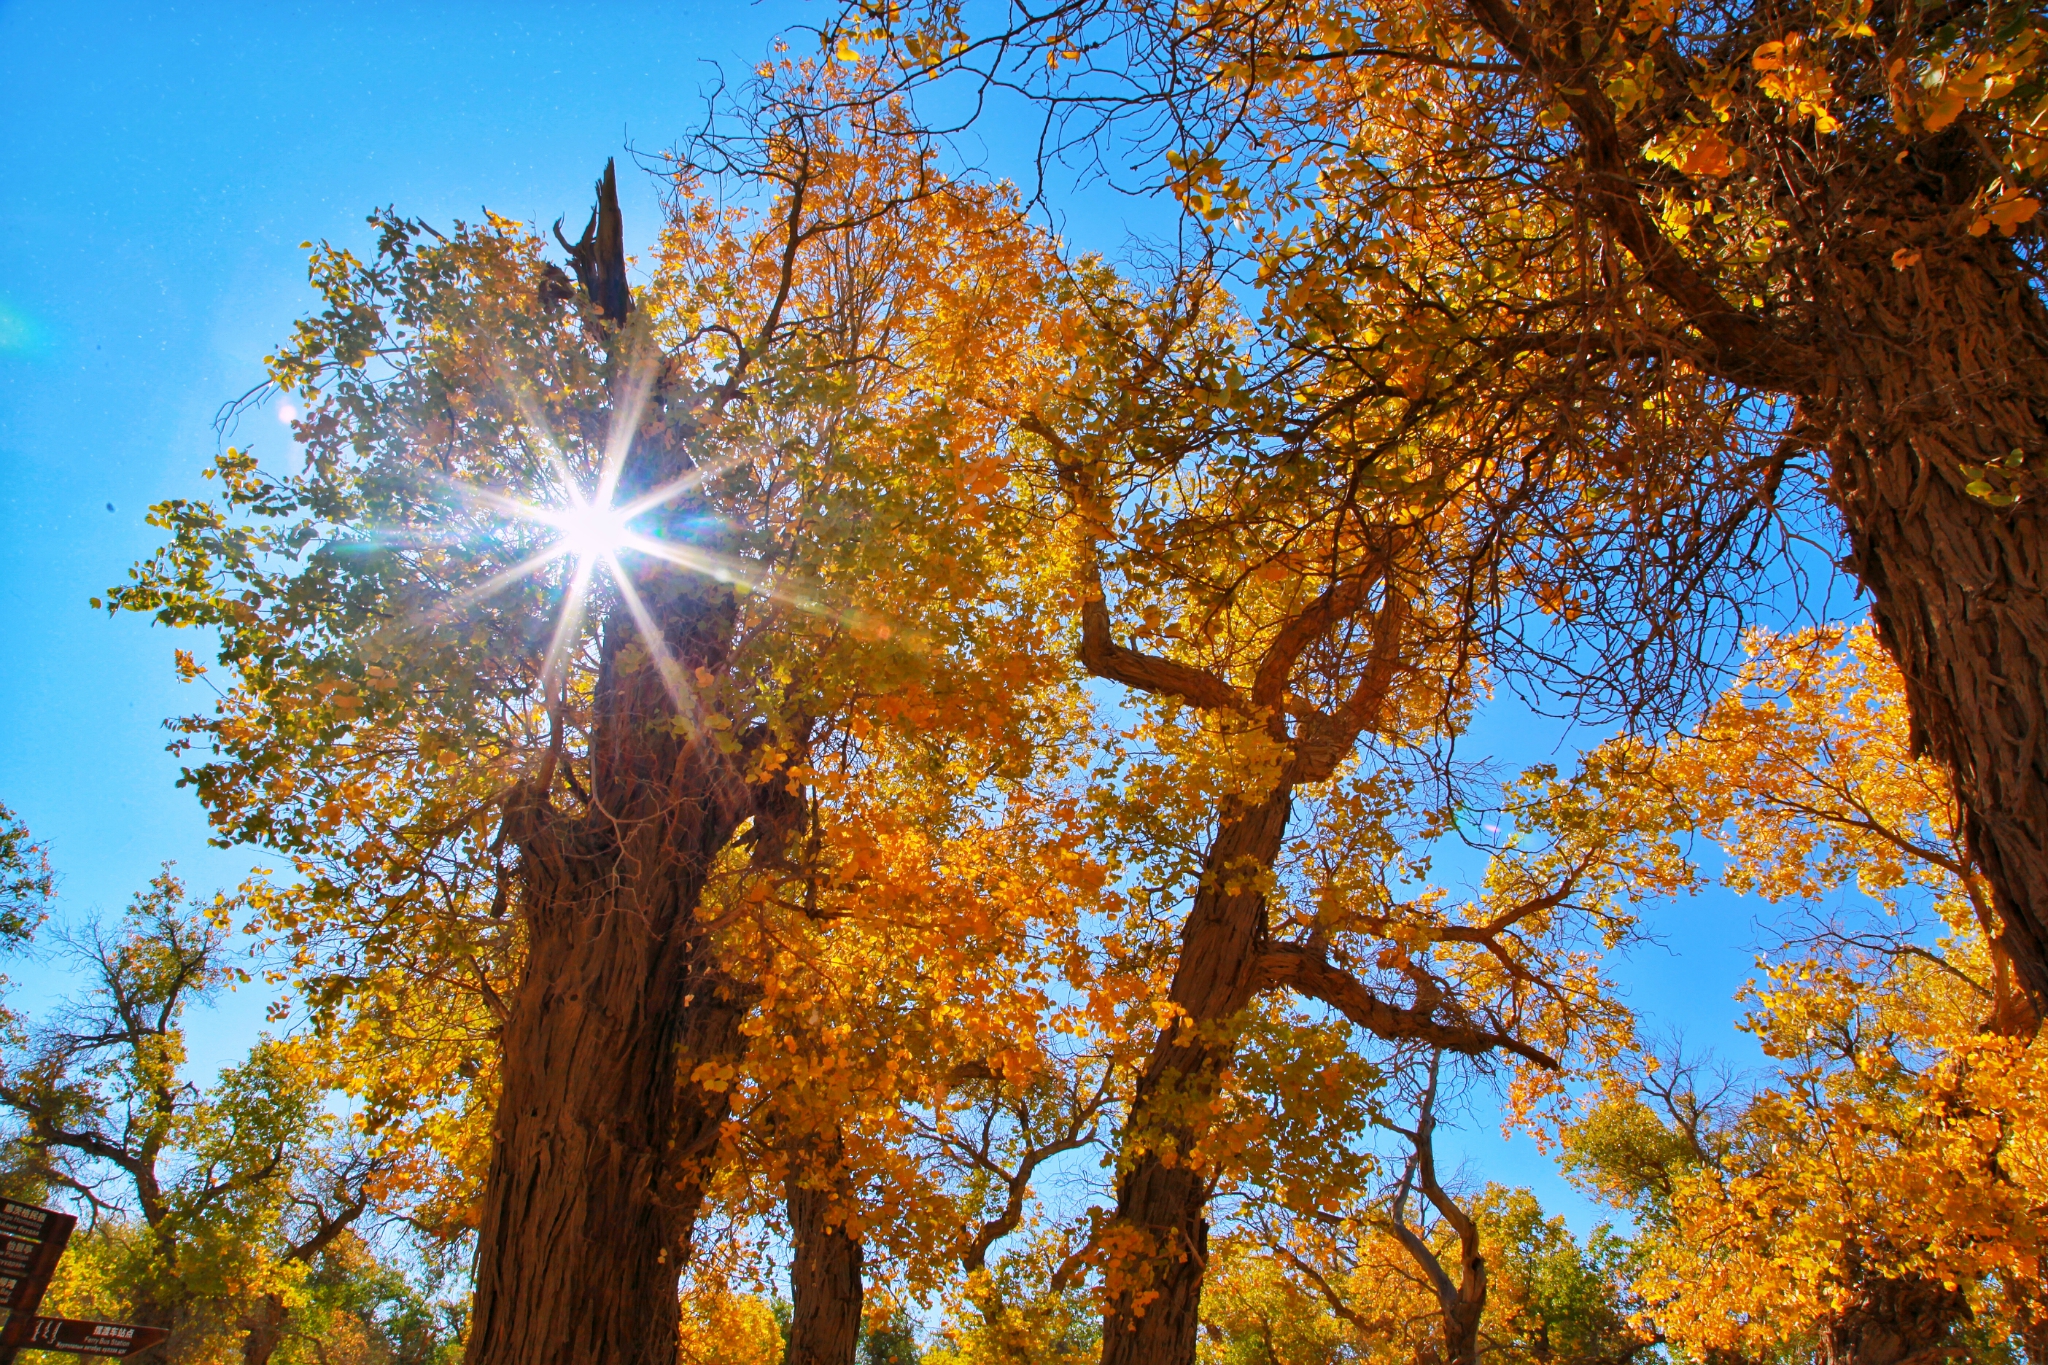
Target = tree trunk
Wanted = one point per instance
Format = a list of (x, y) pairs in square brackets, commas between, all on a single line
[(1943, 364), (717, 1006), (585, 1212), (1906, 1321), (1160, 1237), (578, 1258), (1462, 1317), (265, 1324), (825, 1275)]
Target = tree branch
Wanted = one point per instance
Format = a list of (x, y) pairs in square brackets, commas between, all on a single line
[(1306, 971)]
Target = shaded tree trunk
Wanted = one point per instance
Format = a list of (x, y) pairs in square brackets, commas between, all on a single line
[(1906, 1321), (265, 1325), (825, 1274), (1161, 1198), (1944, 365), (578, 1250)]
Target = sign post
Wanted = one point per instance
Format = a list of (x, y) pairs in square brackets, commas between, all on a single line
[(31, 1240)]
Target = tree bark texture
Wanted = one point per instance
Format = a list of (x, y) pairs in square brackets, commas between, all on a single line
[(586, 1211), (1943, 364), (1906, 1321), (1461, 1322), (825, 1274), (1160, 1247)]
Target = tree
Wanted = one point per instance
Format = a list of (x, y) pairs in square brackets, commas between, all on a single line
[(1823, 218), (26, 882), (1461, 1299), (1342, 1286), (1410, 1267), (576, 584), (1876, 1199), (1291, 581), (209, 1208), (907, 1051)]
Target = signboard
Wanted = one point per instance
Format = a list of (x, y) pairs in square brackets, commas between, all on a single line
[(87, 1338), (31, 1240), (28, 1221)]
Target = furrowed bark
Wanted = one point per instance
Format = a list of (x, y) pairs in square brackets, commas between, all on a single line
[(825, 1273), (583, 1221), (1161, 1199), (1928, 354), (1944, 365)]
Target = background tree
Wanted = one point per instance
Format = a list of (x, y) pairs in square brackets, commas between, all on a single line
[(26, 882), (1877, 1197), (1290, 581), (214, 1211), (1341, 1287)]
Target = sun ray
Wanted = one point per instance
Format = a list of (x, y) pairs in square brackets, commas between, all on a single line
[(650, 633), (725, 569), (500, 502), (551, 450), (495, 584), (554, 666), (627, 411), (594, 530)]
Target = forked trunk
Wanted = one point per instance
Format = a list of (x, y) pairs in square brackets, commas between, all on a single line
[(1462, 1316), (825, 1273), (1161, 1247), (1943, 366)]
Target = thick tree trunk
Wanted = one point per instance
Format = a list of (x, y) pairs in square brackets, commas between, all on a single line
[(595, 1168), (1462, 1318), (1943, 364), (825, 1274), (1907, 1321), (1161, 1246), (580, 1245), (578, 1252)]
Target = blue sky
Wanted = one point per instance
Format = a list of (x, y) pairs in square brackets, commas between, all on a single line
[(162, 165)]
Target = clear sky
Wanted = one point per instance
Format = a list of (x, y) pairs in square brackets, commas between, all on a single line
[(161, 166)]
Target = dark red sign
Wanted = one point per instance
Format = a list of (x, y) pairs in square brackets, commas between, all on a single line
[(28, 1221), (86, 1338), (31, 1240)]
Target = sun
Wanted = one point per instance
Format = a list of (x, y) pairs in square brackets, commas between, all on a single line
[(590, 530)]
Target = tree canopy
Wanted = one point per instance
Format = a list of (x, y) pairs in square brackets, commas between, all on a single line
[(864, 784)]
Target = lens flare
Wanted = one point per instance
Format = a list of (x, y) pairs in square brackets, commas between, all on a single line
[(589, 530)]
